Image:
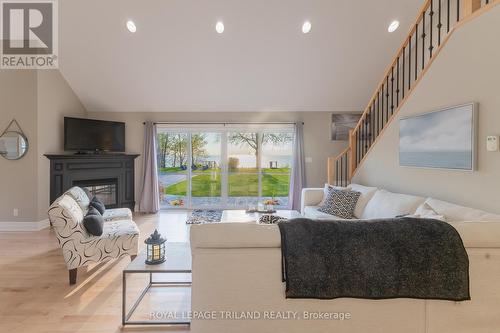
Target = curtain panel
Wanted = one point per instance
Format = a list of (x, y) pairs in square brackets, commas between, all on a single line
[(298, 179), (150, 196)]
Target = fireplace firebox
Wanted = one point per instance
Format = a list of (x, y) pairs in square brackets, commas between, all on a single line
[(104, 189)]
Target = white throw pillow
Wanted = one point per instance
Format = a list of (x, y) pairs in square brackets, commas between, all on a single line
[(366, 194), (326, 189), (456, 213), (386, 204), (426, 212)]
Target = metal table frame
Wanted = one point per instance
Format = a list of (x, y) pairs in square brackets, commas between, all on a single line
[(126, 315)]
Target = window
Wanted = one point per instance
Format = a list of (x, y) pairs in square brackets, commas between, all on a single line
[(224, 167)]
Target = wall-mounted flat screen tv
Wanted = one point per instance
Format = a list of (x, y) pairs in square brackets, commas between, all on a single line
[(91, 135), (442, 139)]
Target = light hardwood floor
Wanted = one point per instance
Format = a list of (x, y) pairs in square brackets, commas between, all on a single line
[(35, 295)]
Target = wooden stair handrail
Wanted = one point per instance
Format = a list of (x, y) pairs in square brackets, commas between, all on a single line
[(387, 72), (332, 175)]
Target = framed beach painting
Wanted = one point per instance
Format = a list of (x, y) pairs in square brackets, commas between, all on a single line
[(443, 139)]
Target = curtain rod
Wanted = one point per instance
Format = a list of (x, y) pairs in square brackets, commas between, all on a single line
[(221, 123)]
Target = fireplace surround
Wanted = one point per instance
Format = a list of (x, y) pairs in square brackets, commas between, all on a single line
[(108, 176)]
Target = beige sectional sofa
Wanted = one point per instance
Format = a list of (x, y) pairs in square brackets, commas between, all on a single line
[(237, 271), (379, 203)]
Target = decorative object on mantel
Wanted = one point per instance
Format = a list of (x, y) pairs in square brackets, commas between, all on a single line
[(13, 143), (155, 252), (444, 139), (202, 216)]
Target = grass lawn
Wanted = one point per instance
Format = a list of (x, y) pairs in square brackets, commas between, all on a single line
[(172, 169), (240, 185)]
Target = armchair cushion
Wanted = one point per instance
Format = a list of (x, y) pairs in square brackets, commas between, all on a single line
[(65, 213), (119, 238), (80, 196), (114, 214)]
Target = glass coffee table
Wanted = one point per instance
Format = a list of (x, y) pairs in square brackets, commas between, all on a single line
[(178, 261)]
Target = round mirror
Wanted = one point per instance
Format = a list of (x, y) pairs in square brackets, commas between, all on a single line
[(13, 145)]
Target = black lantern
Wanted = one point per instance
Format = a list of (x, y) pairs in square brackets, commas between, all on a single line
[(155, 249)]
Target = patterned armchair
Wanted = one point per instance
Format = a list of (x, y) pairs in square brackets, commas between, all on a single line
[(120, 235)]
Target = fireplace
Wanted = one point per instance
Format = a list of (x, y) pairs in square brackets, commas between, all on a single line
[(104, 189), (110, 177)]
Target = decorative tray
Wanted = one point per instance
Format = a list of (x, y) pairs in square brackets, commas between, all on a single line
[(260, 211)]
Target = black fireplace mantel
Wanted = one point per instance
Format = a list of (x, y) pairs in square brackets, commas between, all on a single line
[(66, 170)]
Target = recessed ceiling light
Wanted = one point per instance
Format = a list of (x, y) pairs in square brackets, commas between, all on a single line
[(393, 26), (131, 26), (219, 27), (306, 27)]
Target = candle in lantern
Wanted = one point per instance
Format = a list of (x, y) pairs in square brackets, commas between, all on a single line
[(155, 253)]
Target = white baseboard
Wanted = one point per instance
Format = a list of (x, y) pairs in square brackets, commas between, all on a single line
[(23, 226)]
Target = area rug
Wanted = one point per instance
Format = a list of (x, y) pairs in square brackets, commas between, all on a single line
[(202, 216)]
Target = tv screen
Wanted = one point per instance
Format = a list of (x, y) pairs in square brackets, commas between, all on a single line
[(93, 135)]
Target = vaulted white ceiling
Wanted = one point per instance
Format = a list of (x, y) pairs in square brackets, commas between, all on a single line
[(262, 62)]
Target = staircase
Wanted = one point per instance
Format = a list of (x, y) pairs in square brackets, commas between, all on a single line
[(435, 23)]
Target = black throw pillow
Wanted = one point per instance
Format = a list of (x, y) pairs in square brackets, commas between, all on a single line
[(98, 204), (93, 222), (92, 211)]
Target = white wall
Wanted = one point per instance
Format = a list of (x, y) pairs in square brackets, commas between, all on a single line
[(38, 100), (467, 70), (317, 141), (18, 182), (55, 100)]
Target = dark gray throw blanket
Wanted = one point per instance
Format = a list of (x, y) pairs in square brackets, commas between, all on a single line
[(375, 259)]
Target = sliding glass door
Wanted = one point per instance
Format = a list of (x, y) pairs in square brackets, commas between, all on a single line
[(224, 167), (276, 166), (206, 164), (172, 158), (242, 166)]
